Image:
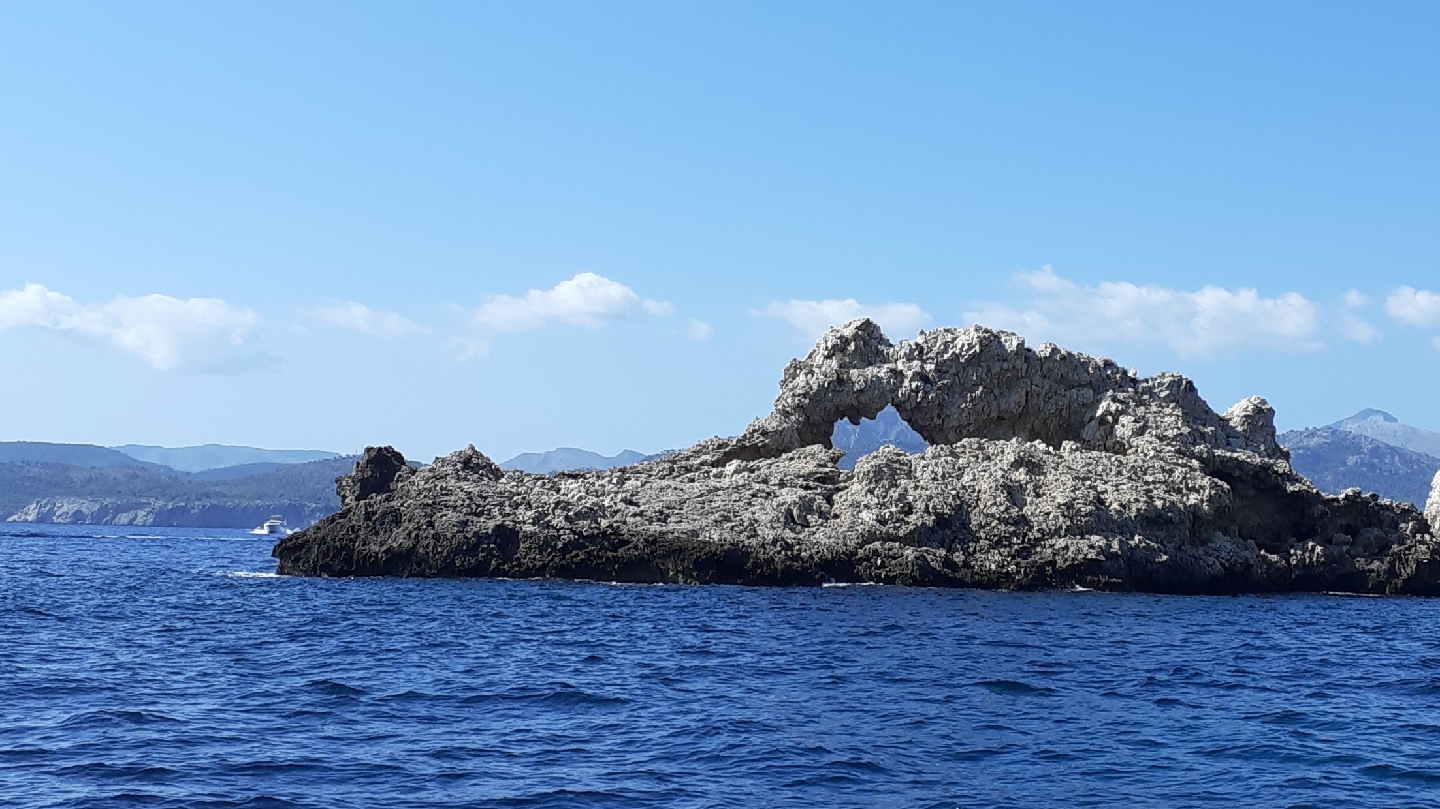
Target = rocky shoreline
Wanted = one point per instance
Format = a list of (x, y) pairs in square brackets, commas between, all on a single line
[(1046, 468)]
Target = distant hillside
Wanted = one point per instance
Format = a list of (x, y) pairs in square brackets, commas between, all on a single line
[(871, 434), (215, 456), (144, 495), (1382, 426), (566, 459), (87, 455), (857, 441), (239, 471), (1335, 460)]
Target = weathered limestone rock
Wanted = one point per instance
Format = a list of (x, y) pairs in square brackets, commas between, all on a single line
[(1432, 505), (1046, 469), (377, 471)]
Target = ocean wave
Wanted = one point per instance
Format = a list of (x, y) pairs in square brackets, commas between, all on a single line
[(1014, 688), (143, 675)]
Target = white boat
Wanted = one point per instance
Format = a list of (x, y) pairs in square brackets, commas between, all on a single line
[(275, 526)]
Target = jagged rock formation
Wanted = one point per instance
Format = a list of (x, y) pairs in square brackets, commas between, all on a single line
[(1046, 468), (378, 470), (1432, 504)]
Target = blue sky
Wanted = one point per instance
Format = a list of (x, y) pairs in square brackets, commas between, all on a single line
[(610, 225)]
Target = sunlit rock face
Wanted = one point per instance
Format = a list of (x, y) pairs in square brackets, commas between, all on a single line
[(1044, 468), (1432, 505), (953, 384)]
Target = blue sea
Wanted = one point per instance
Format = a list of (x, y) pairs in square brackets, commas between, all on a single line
[(171, 668)]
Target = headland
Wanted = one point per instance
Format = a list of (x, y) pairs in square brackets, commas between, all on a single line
[(1045, 468)]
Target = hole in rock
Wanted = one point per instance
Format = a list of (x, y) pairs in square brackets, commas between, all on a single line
[(887, 428)]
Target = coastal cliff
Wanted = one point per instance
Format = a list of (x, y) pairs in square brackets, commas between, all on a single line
[(1045, 468), (165, 513)]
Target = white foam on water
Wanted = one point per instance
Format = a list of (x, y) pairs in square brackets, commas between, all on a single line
[(852, 584), (246, 574)]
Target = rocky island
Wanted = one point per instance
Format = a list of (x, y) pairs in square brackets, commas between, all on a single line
[(1045, 468)]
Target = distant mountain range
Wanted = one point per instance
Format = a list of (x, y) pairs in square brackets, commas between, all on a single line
[(141, 495), (84, 483), (887, 428), (181, 459), (87, 455), (219, 486), (1382, 426), (1373, 451), (569, 459), (217, 456)]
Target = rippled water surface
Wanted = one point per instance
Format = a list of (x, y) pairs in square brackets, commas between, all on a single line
[(166, 667)]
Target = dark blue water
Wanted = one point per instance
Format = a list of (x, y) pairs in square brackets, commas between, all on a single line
[(144, 667)]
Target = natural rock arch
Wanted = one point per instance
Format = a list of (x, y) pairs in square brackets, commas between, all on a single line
[(951, 384)]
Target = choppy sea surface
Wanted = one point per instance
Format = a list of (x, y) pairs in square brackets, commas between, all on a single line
[(170, 668)]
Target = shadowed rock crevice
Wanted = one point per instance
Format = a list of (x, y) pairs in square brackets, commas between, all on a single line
[(1045, 468)]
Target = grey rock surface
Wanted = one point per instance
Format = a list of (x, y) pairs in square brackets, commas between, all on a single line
[(378, 470), (1336, 460), (1432, 504), (1046, 468)]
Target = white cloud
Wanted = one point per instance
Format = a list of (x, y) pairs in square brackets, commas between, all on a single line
[(812, 318), (196, 334), (358, 316), (1206, 322), (1357, 329), (469, 348), (700, 330), (1353, 327), (1418, 308), (587, 300)]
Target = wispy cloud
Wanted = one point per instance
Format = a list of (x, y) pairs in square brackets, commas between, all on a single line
[(1205, 322), (1414, 307), (1353, 327), (465, 348), (361, 318), (699, 330), (812, 318), (195, 334), (587, 300)]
